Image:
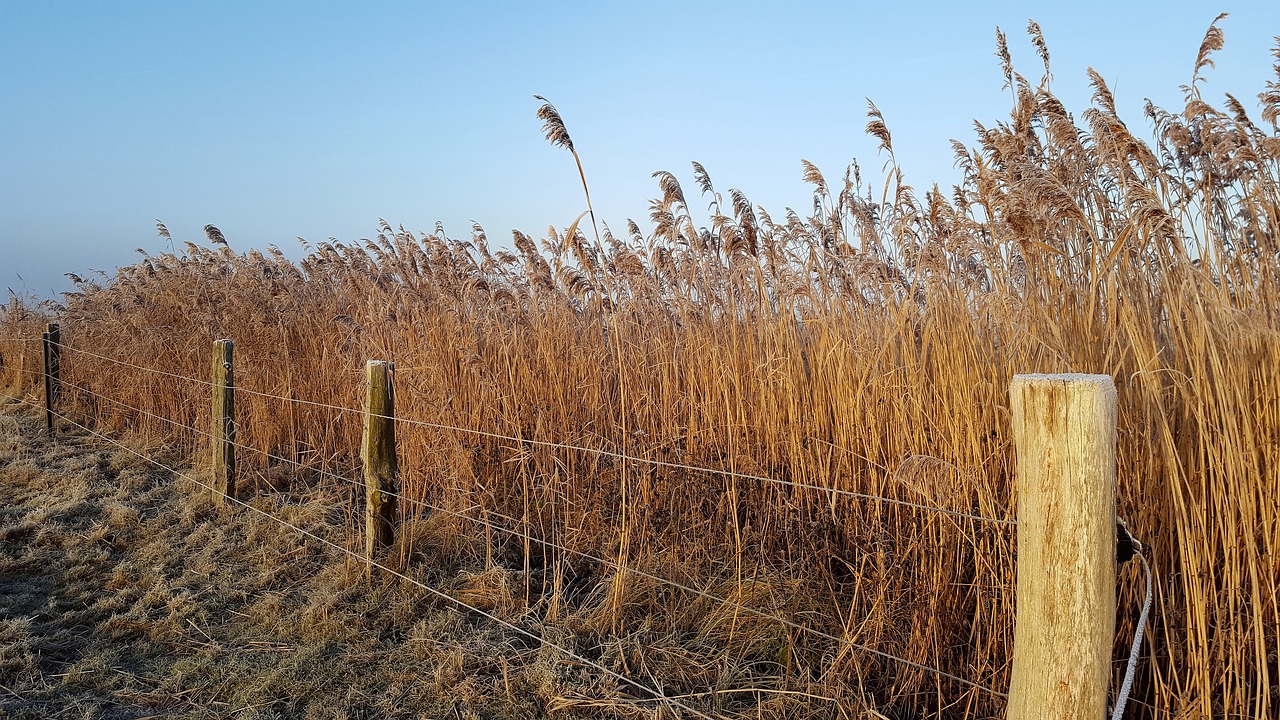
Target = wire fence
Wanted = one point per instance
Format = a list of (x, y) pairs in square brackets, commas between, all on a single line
[(626, 457), (493, 520), (845, 642), (658, 696)]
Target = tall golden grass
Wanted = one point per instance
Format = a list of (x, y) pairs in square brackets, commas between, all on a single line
[(866, 344)]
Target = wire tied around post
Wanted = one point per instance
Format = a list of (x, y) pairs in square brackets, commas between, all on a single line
[(1127, 546)]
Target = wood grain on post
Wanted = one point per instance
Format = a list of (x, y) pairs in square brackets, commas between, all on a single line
[(1064, 429), (378, 450), (223, 427)]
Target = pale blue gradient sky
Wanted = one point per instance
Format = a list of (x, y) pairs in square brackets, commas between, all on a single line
[(274, 120)]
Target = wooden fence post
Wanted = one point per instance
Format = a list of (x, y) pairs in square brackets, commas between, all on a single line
[(378, 450), (55, 361), (1064, 430), (51, 340), (222, 435)]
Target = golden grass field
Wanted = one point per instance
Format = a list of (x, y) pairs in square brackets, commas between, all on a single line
[(865, 343)]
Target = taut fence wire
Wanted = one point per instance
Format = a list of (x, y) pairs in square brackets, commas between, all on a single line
[(564, 548), (654, 694)]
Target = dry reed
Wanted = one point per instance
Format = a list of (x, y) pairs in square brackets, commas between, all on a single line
[(867, 346)]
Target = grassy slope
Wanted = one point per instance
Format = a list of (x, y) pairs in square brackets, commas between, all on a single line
[(125, 594)]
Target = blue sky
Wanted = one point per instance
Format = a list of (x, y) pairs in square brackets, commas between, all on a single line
[(274, 120)]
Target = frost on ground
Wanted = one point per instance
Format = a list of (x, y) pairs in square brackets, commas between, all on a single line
[(126, 593)]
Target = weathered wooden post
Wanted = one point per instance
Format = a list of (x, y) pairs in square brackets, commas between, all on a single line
[(1064, 430), (51, 340), (55, 362), (222, 431), (378, 450)]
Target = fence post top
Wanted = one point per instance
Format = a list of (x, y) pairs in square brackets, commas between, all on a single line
[(1064, 378)]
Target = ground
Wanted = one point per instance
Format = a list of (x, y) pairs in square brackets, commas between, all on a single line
[(125, 592)]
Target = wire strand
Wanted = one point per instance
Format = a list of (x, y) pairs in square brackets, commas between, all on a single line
[(175, 423), (588, 556), (577, 448), (646, 461), (437, 593), (125, 363), (704, 594), (1127, 685), (204, 433)]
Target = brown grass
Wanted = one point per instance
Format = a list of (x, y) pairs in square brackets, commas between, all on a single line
[(867, 346), (124, 593)]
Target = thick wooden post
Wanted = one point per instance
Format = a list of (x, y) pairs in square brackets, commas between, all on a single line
[(378, 450), (222, 431), (50, 340), (1064, 430)]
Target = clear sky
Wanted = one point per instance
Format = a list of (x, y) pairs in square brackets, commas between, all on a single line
[(274, 120)]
